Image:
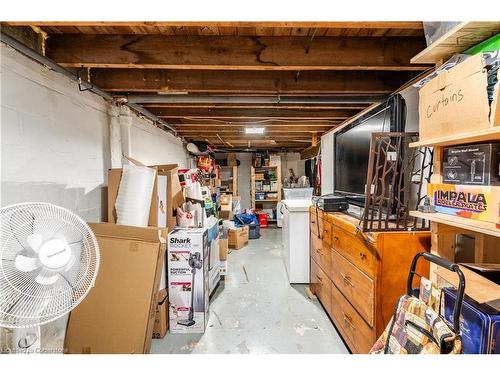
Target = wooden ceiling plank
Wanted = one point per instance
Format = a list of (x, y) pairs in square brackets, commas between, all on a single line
[(252, 113), (263, 82), (342, 24), (234, 53), (255, 106)]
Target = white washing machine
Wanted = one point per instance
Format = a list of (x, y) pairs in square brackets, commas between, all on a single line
[(295, 239)]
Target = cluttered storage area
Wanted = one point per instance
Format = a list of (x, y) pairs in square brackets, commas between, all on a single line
[(186, 199)]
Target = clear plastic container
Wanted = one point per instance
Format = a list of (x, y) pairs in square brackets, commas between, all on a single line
[(298, 193)]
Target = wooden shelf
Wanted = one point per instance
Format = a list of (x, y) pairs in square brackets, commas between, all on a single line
[(262, 192), (457, 40), (477, 287), (461, 222), (265, 200), (490, 134)]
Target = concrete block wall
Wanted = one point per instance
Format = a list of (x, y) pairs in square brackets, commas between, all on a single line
[(55, 139)]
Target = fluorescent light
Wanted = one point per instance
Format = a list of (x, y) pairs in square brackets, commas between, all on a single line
[(254, 130)]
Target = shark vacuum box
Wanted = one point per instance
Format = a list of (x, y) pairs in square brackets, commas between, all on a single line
[(188, 286), (477, 164)]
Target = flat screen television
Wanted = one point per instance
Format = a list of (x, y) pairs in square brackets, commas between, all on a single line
[(352, 147)]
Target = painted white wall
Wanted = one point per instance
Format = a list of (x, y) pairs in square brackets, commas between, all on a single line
[(327, 171), (244, 178), (55, 140), (291, 160), (151, 145)]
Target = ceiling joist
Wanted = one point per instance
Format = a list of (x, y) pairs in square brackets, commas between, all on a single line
[(249, 82), (234, 53)]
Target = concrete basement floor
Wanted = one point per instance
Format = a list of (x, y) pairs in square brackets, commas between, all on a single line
[(257, 311)]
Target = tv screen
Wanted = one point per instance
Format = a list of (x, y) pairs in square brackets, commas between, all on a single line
[(352, 148)]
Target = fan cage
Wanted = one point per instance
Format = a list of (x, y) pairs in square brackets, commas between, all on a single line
[(24, 302)]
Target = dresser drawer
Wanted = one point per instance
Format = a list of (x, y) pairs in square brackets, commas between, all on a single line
[(358, 335), (321, 286), (316, 222), (321, 253), (327, 233), (354, 285), (355, 250)]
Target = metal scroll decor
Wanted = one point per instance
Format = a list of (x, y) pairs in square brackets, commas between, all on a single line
[(396, 182)]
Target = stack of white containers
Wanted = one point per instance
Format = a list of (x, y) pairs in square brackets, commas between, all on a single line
[(134, 195)]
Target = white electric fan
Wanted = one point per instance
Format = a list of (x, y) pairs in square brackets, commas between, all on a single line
[(49, 259)]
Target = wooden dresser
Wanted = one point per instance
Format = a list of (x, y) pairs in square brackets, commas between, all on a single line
[(357, 276)]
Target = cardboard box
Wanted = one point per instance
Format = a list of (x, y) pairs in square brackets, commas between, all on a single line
[(188, 279), (226, 215), (223, 249), (118, 314), (160, 327), (226, 202), (238, 237), (167, 195), (456, 101), (469, 201)]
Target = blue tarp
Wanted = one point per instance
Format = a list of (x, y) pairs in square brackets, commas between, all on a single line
[(245, 219)]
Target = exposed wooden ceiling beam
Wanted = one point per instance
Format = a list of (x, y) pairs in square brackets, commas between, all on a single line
[(234, 53), (271, 122), (231, 130), (341, 25), (255, 82), (253, 113), (279, 136), (256, 106)]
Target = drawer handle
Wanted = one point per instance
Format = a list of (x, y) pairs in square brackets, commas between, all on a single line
[(319, 251), (362, 255), (348, 320), (347, 280), (320, 279), (336, 238)]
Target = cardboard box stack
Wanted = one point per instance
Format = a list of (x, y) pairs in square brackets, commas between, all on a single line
[(226, 207)]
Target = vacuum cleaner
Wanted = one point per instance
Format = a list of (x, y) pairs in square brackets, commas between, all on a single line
[(194, 262)]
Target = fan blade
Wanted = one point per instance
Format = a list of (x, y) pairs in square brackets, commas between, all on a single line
[(35, 241), (26, 264), (46, 280)]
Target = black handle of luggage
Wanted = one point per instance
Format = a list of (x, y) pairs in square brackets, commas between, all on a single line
[(449, 266)]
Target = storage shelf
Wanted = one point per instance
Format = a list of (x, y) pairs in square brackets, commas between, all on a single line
[(461, 222), (477, 287), (262, 192), (457, 40), (483, 135), (265, 200)]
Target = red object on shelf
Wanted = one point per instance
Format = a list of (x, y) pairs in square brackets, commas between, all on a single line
[(263, 220)]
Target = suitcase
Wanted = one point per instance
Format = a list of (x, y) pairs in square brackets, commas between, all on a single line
[(479, 324)]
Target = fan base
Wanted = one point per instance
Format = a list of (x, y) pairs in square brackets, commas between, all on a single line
[(186, 322)]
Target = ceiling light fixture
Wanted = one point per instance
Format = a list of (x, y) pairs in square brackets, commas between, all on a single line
[(254, 130)]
